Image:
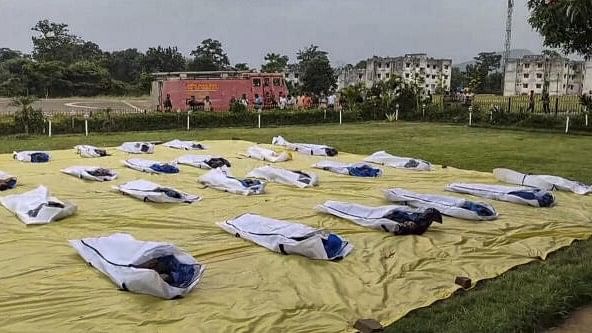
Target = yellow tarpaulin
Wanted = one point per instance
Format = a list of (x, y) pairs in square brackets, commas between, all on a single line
[(46, 286)]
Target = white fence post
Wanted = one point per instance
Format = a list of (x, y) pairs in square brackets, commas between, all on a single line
[(49, 128), (470, 115), (423, 110), (586, 120), (340, 122), (259, 120), (397, 112), (325, 114), (567, 124), (86, 127), (188, 121)]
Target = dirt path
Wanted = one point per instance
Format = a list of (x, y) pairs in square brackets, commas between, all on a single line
[(578, 322)]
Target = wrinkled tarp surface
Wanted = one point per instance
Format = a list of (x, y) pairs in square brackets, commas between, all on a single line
[(47, 287)]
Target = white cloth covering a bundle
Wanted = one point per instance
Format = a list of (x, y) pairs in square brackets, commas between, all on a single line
[(91, 173), (152, 192), (305, 148), (203, 161), (520, 195), (288, 237), (299, 179), (221, 179), (408, 163), (37, 206), (137, 147), (447, 205), (149, 166), (184, 145), (399, 220), (545, 182), (268, 155), (353, 169), (7, 181), (32, 156), (153, 268), (90, 151)]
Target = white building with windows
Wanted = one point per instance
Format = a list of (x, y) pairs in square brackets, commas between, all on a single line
[(532, 72), (433, 74)]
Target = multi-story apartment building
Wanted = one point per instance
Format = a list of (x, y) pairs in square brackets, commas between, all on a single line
[(561, 75), (432, 74)]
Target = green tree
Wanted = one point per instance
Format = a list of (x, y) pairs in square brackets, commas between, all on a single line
[(478, 74), (242, 66), (27, 117), (458, 79), (564, 24), (361, 64), (160, 59), (275, 63), (209, 56), (316, 74), (47, 79), (88, 78), (7, 54), (125, 65)]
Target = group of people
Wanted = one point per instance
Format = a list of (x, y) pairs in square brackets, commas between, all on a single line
[(307, 101)]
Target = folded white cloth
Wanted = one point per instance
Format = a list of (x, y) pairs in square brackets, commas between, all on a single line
[(268, 155), (545, 182), (25, 156), (152, 192), (353, 169), (7, 181), (185, 145), (203, 161), (90, 151), (222, 180), (142, 267), (305, 148), (447, 205), (91, 173), (520, 195), (399, 220), (384, 158), (287, 177), (147, 165), (137, 147), (288, 238), (37, 206)]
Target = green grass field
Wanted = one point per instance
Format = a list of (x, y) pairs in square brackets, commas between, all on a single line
[(526, 299)]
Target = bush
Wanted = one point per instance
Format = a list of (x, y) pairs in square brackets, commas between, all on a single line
[(238, 107)]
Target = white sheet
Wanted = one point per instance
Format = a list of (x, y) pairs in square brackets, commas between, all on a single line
[(287, 177), (25, 156), (545, 182), (89, 151), (407, 163), (198, 161), (144, 165), (5, 178), (304, 148), (113, 255), (136, 147), (341, 168), (184, 145), (23, 205), (221, 179), (267, 155), (283, 236), (497, 192), (152, 192), (82, 172)]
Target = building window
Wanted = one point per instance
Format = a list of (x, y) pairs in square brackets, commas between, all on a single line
[(565, 76), (539, 65), (416, 65), (427, 86), (256, 82), (526, 76), (407, 65), (573, 77), (538, 86), (445, 66), (266, 82), (433, 86), (276, 82), (296, 76), (433, 77), (525, 86), (445, 77), (388, 65), (360, 76), (428, 65), (379, 65), (571, 87), (388, 75), (379, 76), (407, 75), (539, 76), (526, 65), (564, 86)]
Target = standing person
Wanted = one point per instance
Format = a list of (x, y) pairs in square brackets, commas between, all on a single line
[(531, 101), (291, 102), (283, 101), (323, 101), (307, 101), (207, 104), (192, 103), (300, 102), (168, 104), (546, 102), (245, 101), (331, 101), (258, 103)]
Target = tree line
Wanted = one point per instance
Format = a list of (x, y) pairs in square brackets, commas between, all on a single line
[(63, 64)]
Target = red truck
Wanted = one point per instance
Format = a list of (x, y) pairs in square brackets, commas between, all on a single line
[(187, 88)]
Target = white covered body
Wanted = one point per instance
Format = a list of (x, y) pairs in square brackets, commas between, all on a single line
[(498, 192), (136, 147), (304, 148), (286, 177), (283, 236), (198, 161), (184, 145), (83, 172), (6, 179), (268, 155), (116, 255), (39, 200), (25, 156), (447, 205), (545, 182), (366, 216), (152, 192), (341, 168), (88, 151), (221, 179), (144, 165), (408, 163)]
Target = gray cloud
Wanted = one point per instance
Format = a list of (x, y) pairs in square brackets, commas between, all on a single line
[(349, 29)]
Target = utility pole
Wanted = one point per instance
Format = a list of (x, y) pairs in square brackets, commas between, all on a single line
[(508, 43)]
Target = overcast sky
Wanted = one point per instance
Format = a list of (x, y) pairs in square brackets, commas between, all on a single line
[(349, 29)]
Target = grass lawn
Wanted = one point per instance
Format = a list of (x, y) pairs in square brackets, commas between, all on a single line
[(526, 299)]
